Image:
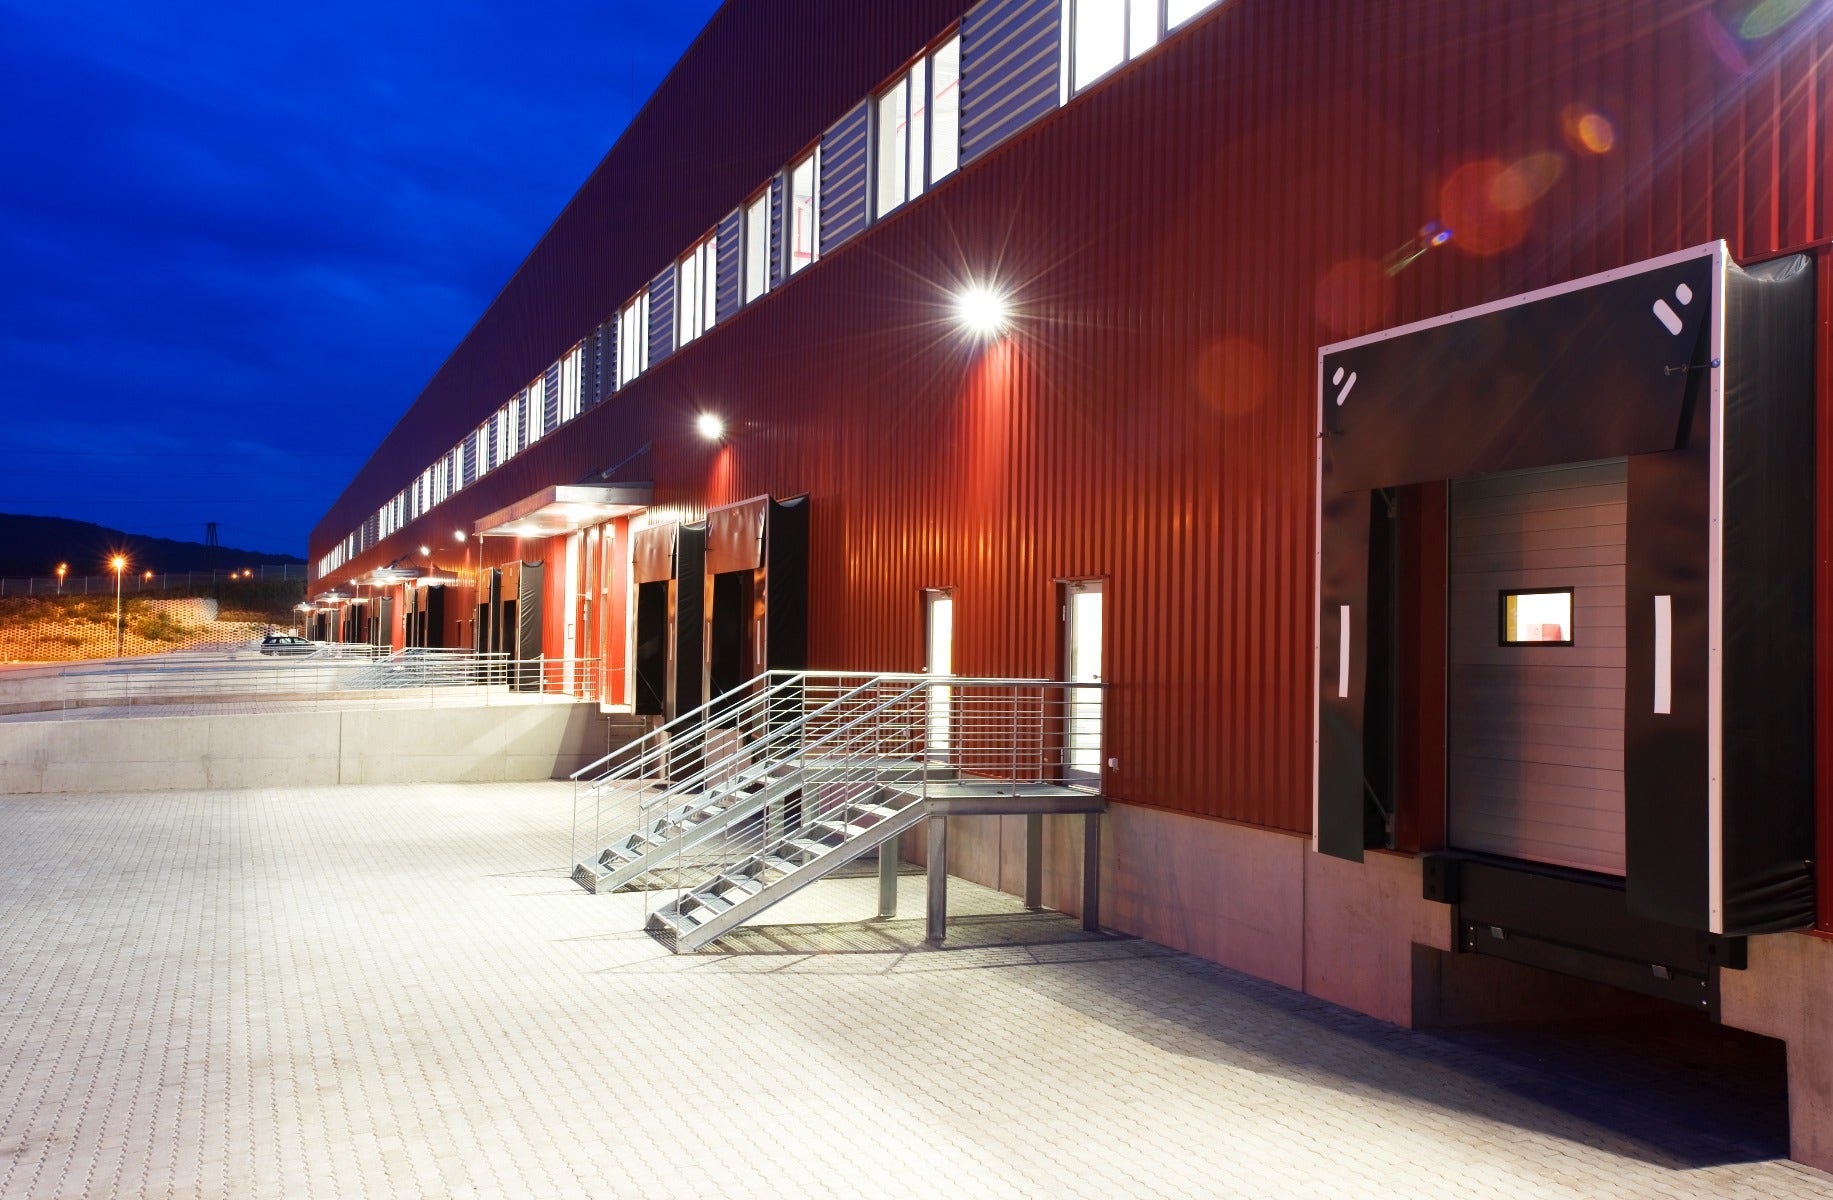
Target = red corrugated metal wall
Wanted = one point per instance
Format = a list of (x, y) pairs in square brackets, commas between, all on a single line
[(762, 80), (1178, 243)]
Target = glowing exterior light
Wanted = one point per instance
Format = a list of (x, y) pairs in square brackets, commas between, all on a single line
[(118, 562), (982, 310), (426, 550), (709, 427), (458, 535)]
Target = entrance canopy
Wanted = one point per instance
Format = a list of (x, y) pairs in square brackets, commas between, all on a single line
[(565, 509)]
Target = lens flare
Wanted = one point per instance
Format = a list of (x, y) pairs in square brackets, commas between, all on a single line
[(1587, 130), (1769, 17), (1526, 180), (1468, 204)]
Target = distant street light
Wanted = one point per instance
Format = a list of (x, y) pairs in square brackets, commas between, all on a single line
[(119, 563), (62, 568)]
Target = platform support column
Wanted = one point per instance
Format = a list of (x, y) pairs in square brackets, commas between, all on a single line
[(1091, 872), (887, 879), (1034, 861), (938, 878)]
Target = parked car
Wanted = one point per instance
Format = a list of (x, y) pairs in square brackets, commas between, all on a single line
[(286, 643)]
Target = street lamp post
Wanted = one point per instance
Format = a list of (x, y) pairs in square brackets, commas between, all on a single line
[(61, 569), (119, 563)]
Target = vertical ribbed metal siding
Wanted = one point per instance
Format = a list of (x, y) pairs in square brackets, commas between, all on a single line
[(1010, 56), (468, 463), (731, 265), (662, 315), (1176, 239), (843, 179)]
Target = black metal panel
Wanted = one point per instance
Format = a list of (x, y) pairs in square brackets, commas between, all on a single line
[(690, 617), (1519, 387), (729, 647), (1666, 803), (786, 602), (1343, 581), (1768, 480), (530, 607), (433, 607), (651, 648)]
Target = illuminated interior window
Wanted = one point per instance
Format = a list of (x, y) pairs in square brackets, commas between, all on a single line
[(1537, 618), (1105, 33), (757, 247), (697, 290), (804, 239), (919, 127), (1100, 38), (633, 339), (1179, 11)]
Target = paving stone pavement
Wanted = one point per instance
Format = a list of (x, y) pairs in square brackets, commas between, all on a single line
[(395, 992)]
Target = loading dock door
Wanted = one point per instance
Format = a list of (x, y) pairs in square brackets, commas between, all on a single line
[(652, 568), (1701, 373), (1536, 665)]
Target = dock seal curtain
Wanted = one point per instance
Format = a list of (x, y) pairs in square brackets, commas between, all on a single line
[(1701, 374)]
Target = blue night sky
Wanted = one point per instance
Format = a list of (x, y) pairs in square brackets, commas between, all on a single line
[(237, 240)]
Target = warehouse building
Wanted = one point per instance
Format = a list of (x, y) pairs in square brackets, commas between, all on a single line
[(1410, 412)]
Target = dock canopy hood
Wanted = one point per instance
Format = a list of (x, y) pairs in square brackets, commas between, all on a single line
[(1700, 374)]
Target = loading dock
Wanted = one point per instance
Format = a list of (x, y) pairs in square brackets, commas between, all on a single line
[(1624, 470)]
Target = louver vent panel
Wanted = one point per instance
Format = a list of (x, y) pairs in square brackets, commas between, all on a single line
[(843, 179), (731, 265), (1009, 70), (662, 316)]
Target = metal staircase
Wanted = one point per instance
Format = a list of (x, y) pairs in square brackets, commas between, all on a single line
[(735, 806)]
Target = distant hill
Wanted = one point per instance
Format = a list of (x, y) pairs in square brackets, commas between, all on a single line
[(35, 545)]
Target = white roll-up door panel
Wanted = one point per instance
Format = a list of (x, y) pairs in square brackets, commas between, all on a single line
[(1536, 731)]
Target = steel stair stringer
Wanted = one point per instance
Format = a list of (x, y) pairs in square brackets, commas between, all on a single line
[(783, 868)]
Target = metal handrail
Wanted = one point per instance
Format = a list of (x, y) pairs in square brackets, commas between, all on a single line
[(683, 721), (857, 730), (339, 677), (693, 716), (777, 728)]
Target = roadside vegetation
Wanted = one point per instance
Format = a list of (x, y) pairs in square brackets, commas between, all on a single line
[(207, 617)]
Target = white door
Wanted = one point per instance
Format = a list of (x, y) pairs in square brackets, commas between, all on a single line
[(939, 659), (1082, 641), (570, 640)]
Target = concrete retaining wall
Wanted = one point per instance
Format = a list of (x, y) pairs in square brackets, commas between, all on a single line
[(446, 744)]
